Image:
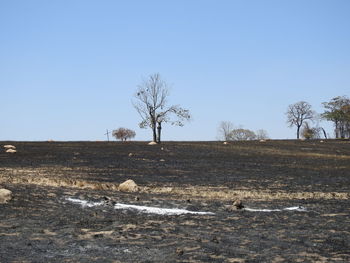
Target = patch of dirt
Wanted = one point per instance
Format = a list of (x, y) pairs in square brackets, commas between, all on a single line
[(40, 225)]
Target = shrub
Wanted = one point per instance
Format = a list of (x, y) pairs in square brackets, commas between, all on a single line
[(123, 134)]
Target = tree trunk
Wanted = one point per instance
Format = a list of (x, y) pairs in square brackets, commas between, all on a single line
[(159, 129), (154, 133), (298, 131), (324, 133)]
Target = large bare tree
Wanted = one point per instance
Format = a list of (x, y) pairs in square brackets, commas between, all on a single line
[(298, 113), (151, 104)]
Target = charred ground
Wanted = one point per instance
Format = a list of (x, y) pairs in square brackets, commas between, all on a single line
[(40, 225)]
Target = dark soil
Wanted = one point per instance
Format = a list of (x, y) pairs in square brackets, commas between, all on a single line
[(40, 225)]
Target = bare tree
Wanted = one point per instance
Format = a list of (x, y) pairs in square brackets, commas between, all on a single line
[(261, 135), (298, 113), (242, 135), (225, 129), (151, 98), (123, 134)]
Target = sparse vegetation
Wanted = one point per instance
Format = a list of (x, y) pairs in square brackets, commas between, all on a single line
[(123, 134), (338, 111), (308, 132), (228, 132)]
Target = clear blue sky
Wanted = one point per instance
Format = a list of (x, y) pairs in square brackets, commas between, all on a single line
[(69, 68)]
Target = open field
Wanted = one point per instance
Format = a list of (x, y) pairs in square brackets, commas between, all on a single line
[(40, 224)]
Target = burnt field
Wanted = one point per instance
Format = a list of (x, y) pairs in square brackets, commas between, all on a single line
[(300, 190)]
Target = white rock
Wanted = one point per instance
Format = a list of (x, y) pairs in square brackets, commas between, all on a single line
[(11, 151), (5, 196), (8, 146), (152, 143), (128, 186)]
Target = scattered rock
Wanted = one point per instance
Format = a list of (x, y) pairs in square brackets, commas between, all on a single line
[(162, 149), (179, 251), (8, 146), (152, 143), (238, 204), (162, 160), (108, 201), (128, 186), (5, 196), (215, 239), (11, 151), (131, 154)]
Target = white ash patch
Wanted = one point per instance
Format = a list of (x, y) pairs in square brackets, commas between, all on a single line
[(293, 208), (172, 211), (159, 211), (142, 209), (84, 203)]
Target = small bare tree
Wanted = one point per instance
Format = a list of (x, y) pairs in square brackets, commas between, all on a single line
[(261, 135), (298, 113), (225, 129), (151, 98), (242, 135), (123, 134)]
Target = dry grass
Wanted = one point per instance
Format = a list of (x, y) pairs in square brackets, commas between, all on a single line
[(193, 192), (222, 193), (59, 182)]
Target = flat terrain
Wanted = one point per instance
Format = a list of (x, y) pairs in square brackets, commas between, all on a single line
[(40, 224)]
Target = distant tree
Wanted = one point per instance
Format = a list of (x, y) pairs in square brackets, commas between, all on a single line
[(123, 134), (225, 129), (261, 135), (242, 135), (298, 113), (338, 111), (151, 99)]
